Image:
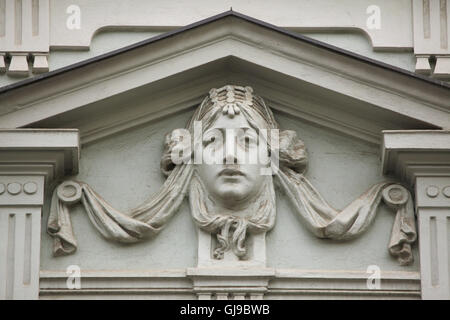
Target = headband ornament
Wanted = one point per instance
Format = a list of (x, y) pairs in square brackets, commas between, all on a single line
[(231, 99)]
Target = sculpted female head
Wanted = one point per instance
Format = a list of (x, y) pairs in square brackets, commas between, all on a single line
[(230, 170), (231, 193)]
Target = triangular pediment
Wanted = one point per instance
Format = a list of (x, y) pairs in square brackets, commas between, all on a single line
[(172, 72)]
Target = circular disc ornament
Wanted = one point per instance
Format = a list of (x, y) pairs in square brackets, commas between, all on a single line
[(395, 194), (69, 192)]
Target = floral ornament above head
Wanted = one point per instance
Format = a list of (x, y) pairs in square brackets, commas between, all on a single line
[(231, 99)]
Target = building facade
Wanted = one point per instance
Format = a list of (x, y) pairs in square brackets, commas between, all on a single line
[(112, 114)]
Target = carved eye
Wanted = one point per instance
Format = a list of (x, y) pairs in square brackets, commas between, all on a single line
[(210, 138), (247, 141)]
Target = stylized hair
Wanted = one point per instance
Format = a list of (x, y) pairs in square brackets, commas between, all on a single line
[(231, 230)]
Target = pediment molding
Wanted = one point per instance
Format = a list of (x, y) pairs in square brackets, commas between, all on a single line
[(297, 75), (185, 91)]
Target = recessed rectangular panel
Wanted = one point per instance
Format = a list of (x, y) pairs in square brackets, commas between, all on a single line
[(10, 257), (434, 252)]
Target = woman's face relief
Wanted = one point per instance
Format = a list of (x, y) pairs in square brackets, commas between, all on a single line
[(231, 166)]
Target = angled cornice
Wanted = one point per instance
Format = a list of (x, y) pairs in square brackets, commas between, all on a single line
[(358, 86)]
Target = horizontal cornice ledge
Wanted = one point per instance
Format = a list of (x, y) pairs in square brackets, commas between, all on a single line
[(408, 154), (185, 283), (49, 152)]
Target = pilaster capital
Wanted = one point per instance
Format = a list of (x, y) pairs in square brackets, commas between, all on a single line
[(433, 192), (21, 190), (29, 160), (422, 159)]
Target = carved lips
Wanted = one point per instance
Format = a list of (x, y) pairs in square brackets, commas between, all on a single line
[(230, 172)]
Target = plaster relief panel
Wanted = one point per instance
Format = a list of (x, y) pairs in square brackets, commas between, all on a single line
[(237, 167)]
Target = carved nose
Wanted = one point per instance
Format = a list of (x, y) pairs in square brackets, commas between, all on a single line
[(230, 159), (230, 152)]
